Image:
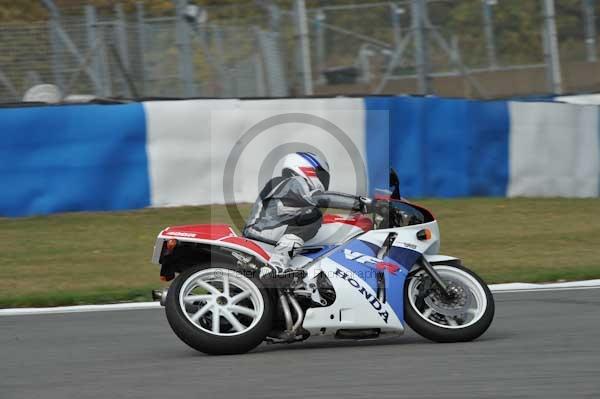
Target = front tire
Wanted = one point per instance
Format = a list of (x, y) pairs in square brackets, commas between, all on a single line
[(463, 318), (219, 310)]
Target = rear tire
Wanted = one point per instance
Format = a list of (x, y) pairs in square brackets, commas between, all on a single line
[(200, 334), (424, 320)]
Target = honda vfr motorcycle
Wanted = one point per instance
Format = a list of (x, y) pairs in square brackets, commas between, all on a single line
[(360, 277)]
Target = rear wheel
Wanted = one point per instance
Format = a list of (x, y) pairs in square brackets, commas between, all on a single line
[(464, 316), (218, 310)]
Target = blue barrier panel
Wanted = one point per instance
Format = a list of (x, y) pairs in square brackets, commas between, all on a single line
[(72, 158), (446, 147), (377, 136)]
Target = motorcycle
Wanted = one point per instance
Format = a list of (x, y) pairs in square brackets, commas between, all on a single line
[(360, 277)]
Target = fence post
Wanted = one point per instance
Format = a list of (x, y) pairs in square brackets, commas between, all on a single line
[(275, 25), (274, 68), (365, 65), (418, 9), (5, 81), (396, 29), (120, 32), (105, 77), (274, 18), (141, 31), (92, 44), (184, 44), (320, 37), (490, 40), (57, 66), (551, 53), (589, 19), (259, 67), (53, 25), (222, 69), (304, 46)]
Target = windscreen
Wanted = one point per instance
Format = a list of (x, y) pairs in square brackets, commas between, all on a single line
[(400, 213)]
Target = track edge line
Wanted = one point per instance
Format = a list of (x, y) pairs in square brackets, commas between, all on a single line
[(495, 288)]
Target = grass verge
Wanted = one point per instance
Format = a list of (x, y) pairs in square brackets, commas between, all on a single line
[(82, 258)]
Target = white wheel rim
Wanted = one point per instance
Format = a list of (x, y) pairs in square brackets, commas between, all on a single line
[(221, 302), (472, 313)]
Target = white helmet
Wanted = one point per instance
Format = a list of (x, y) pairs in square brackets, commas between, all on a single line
[(309, 166)]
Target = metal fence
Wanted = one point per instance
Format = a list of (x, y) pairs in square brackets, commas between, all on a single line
[(281, 48)]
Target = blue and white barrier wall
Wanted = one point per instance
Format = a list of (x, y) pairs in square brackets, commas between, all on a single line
[(166, 153)]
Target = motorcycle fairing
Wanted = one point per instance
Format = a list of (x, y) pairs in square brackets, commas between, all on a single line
[(394, 282), (200, 231), (336, 229), (361, 269), (248, 245), (350, 255), (361, 221), (219, 235), (356, 305)]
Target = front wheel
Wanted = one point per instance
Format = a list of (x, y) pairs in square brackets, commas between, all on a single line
[(219, 310), (464, 316)]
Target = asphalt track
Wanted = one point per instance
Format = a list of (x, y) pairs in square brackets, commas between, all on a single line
[(541, 345)]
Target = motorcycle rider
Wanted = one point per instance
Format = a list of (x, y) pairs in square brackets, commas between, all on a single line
[(287, 212)]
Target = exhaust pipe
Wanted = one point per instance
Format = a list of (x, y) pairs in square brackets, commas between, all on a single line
[(285, 306), (298, 311), (160, 295)]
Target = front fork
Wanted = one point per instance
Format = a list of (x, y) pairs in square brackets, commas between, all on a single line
[(423, 262), (434, 275)]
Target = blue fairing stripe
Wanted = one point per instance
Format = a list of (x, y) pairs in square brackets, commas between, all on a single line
[(394, 286), (364, 272), (403, 256)]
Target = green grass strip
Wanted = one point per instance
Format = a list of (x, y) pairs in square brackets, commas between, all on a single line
[(104, 257)]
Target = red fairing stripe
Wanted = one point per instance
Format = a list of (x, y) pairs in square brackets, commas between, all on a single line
[(390, 267), (242, 242), (362, 222)]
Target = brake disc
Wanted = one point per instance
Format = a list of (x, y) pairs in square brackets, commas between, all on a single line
[(456, 306)]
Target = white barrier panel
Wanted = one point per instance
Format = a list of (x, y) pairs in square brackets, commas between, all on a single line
[(554, 150), (189, 143), (581, 99)]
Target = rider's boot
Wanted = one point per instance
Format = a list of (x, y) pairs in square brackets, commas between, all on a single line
[(281, 257), (280, 261)]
